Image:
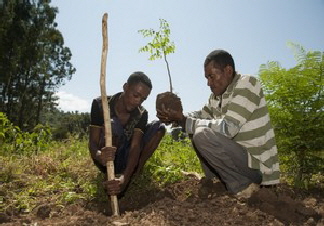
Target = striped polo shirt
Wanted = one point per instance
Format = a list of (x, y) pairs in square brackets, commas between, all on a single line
[(241, 114)]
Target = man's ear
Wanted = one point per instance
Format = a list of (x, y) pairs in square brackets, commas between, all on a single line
[(125, 87), (229, 70)]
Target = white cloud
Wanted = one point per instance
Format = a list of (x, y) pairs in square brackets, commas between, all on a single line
[(71, 102)]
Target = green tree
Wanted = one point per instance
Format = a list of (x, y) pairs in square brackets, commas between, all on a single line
[(160, 46), (34, 61), (65, 124), (296, 104)]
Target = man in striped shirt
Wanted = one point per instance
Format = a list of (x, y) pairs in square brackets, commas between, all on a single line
[(232, 133)]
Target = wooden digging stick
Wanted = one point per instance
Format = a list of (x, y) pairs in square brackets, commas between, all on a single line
[(106, 110)]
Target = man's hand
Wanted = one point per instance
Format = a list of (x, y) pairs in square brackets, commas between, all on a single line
[(114, 187), (169, 115), (106, 154)]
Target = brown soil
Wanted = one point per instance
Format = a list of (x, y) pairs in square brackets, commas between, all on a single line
[(184, 203), (169, 100)]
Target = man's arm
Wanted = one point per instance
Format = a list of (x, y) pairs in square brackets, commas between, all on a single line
[(118, 185), (94, 139), (246, 98), (205, 112), (95, 128), (96, 134), (135, 147), (133, 155)]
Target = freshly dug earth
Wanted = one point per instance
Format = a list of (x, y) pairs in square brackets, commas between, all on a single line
[(185, 203)]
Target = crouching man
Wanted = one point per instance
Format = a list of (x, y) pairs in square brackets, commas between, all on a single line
[(135, 140), (232, 133)]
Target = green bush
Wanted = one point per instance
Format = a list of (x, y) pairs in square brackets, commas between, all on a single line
[(171, 159), (15, 141)]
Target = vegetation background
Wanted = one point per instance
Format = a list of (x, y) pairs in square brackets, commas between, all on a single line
[(43, 151)]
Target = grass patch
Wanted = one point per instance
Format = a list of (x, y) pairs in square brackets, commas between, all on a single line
[(65, 173)]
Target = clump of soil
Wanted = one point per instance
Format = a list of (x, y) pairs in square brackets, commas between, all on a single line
[(184, 203), (169, 100)]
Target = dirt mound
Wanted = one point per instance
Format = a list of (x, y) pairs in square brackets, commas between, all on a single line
[(185, 203), (285, 207)]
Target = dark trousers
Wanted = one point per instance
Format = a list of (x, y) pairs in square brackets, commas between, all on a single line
[(224, 158), (121, 157)]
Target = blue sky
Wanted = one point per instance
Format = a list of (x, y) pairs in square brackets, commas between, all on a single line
[(253, 31)]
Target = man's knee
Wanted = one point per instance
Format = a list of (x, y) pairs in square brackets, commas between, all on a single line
[(154, 129), (201, 135), (162, 130), (156, 126), (206, 140), (159, 132)]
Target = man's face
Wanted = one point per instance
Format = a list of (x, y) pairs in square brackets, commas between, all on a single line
[(218, 79), (135, 94)]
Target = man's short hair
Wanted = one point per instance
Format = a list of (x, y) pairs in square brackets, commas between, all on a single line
[(137, 77), (220, 58)]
